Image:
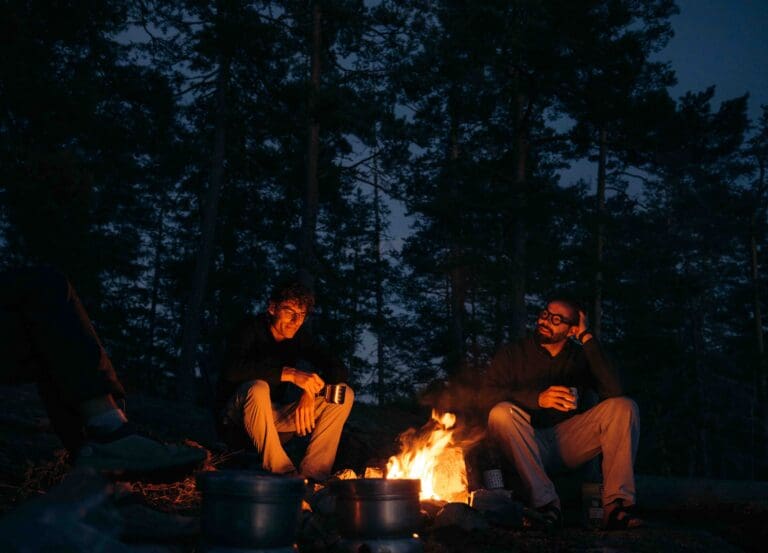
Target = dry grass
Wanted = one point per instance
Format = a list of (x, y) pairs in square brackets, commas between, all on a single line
[(178, 497), (40, 478)]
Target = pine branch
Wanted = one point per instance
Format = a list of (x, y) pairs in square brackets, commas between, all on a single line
[(628, 174), (357, 164)]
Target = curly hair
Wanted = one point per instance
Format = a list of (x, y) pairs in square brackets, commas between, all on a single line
[(293, 290)]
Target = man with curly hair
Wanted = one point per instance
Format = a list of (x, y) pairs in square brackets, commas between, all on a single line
[(271, 377)]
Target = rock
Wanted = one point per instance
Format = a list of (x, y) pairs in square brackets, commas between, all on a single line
[(460, 515), (345, 474), (373, 472), (431, 507), (315, 533), (499, 507), (323, 502), (76, 515)]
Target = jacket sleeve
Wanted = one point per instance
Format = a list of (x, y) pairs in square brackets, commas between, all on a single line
[(506, 382), (245, 360), (606, 380)]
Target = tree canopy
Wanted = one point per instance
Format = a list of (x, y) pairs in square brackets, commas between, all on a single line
[(404, 157)]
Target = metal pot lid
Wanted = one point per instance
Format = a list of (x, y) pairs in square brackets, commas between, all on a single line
[(249, 483), (376, 487)]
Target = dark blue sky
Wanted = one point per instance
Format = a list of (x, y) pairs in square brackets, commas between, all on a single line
[(722, 43), (717, 42)]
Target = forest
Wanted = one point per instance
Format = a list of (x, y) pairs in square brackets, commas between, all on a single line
[(405, 158)]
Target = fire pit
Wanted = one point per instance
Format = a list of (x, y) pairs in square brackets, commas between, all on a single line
[(376, 514)]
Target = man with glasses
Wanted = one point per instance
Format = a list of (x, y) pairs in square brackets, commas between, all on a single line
[(271, 377), (539, 424)]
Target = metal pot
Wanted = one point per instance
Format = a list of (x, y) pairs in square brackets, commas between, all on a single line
[(377, 508), (247, 510)]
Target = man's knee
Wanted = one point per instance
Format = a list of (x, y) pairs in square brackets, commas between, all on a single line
[(623, 407), (506, 414), (257, 392)]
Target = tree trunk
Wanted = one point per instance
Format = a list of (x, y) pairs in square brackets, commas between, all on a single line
[(307, 256), (194, 308), (756, 310), (757, 437), (597, 307), (519, 232), (379, 277), (703, 385), (147, 357), (457, 271), (761, 367)]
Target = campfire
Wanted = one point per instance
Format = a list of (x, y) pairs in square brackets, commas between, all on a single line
[(431, 456)]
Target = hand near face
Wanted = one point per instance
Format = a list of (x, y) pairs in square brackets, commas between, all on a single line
[(304, 416), (557, 397), (582, 326)]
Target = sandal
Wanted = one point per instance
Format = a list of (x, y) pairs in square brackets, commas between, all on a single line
[(549, 517), (619, 517)]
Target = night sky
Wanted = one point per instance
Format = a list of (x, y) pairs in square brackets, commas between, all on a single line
[(722, 43), (717, 42)]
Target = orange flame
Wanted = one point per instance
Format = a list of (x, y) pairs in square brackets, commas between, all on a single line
[(426, 455)]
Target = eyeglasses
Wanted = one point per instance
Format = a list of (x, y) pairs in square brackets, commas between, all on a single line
[(554, 318), (288, 314)]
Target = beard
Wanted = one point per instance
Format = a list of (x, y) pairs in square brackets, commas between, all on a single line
[(545, 338)]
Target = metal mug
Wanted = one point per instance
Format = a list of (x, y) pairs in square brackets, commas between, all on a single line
[(334, 393), (575, 393)]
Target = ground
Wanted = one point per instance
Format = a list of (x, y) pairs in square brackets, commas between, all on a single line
[(32, 462)]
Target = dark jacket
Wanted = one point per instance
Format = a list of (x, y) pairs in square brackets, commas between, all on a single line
[(519, 372), (253, 354)]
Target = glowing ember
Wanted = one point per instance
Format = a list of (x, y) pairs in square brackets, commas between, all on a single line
[(430, 456)]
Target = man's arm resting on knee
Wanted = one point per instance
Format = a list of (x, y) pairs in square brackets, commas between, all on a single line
[(311, 384)]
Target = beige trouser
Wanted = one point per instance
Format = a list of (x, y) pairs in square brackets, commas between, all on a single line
[(612, 427), (263, 420)]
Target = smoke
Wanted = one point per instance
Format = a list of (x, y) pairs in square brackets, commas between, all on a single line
[(462, 394)]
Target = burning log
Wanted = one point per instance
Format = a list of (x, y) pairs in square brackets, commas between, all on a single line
[(431, 456)]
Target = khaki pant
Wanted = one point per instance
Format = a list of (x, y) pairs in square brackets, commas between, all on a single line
[(612, 428), (263, 421)]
